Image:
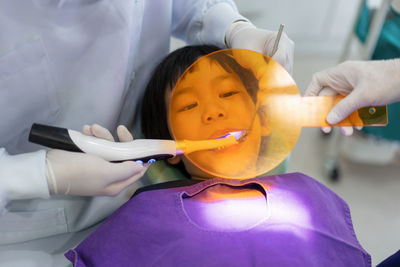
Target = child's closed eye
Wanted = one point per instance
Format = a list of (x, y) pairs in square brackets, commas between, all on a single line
[(188, 107), (228, 94)]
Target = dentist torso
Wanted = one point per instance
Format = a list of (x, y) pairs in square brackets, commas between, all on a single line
[(65, 64), (70, 63)]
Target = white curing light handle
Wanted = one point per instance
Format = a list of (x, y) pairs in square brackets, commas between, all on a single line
[(144, 150)]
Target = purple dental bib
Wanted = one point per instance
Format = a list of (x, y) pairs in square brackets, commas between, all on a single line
[(280, 220)]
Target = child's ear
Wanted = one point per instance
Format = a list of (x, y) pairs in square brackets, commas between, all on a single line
[(174, 160)]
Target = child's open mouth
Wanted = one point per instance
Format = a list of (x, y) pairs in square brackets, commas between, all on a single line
[(240, 136)]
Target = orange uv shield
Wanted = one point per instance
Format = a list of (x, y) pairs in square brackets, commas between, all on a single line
[(235, 89)]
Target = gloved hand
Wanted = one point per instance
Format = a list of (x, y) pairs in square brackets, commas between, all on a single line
[(366, 83), (73, 173), (245, 35), (100, 132)]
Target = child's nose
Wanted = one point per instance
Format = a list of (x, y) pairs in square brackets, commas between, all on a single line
[(213, 114)]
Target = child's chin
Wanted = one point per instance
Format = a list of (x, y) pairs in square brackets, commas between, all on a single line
[(232, 165), (231, 169)]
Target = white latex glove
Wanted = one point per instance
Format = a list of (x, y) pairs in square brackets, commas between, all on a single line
[(245, 35), (73, 173), (366, 83)]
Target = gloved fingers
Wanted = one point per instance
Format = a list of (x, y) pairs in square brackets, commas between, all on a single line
[(285, 53), (83, 174), (343, 109), (98, 131), (124, 170), (347, 130), (101, 132), (318, 82), (327, 91), (284, 60), (246, 36), (123, 134), (117, 187), (326, 129), (86, 130)]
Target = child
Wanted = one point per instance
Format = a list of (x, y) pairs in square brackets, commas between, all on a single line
[(209, 108), (234, 98), (280, 220)]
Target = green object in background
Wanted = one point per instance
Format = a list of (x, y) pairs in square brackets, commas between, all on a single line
[(363, 22), (160, 172), (387, 47)]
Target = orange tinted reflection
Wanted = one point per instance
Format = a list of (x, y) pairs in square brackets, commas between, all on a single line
[(228, 91)]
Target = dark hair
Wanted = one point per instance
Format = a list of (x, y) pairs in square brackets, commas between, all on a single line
[(154, 121)]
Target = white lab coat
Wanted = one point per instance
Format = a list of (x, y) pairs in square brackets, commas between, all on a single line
[(75, 62)]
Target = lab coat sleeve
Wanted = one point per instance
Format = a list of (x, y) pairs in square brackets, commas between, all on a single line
[(22, 176), (203, 22)]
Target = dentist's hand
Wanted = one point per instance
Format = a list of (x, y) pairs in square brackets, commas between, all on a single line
[(366, 83), (72, 173), (245, 35)]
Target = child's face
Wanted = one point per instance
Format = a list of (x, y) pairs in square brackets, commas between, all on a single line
[(210, 102)]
